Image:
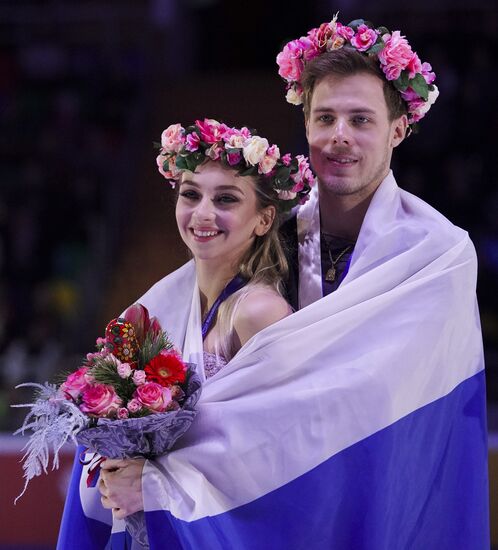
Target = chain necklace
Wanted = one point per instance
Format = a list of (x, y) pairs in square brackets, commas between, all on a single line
[(332, 272)]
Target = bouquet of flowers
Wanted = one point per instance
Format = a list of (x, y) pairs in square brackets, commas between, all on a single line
[(133, 397)]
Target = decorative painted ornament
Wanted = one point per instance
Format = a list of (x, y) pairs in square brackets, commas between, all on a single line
[(121, 340)]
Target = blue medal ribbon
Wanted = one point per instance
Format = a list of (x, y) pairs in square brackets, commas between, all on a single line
[(235, 284)]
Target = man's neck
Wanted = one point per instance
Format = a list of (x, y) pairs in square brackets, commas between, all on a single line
[(342, 215)]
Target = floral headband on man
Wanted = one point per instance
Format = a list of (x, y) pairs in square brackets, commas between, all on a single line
[(183, 149), (400, 65)]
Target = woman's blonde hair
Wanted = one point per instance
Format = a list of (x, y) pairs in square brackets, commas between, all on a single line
[(264, 265)]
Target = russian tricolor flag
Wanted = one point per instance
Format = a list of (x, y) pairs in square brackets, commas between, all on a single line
[(356, 423)]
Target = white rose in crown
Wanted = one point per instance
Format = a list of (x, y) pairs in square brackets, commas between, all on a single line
[(431, 99), (293, 97), (254, 150)]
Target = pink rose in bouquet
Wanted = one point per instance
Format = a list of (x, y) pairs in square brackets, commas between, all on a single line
[(153, 396), (76, 383), (100, 400)]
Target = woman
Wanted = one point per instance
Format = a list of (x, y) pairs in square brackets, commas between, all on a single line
[(227, 212), (232, 188)]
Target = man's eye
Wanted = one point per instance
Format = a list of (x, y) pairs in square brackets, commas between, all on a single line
[(325, 118), (360, 119)]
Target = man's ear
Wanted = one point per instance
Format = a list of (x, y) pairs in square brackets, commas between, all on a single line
[(399, 130)]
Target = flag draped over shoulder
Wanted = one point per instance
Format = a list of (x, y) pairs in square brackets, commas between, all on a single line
[(358, 422)]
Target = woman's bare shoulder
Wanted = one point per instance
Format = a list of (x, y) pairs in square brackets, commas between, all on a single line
[(260, 308)]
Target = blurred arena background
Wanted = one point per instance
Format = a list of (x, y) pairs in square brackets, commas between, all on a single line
[(87, 223)]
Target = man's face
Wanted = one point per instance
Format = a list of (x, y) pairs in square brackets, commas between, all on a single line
[(350, 135)]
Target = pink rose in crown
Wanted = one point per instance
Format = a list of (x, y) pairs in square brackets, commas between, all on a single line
[(169, 171), (267, 164), (235, 137), (427, 73), (234, 158), (417, 107), (414, 66), (100, 400), (192, 142), (410, 95), (153, 396), (392, 72), (235, 141), (211, 130), (289, 61), (286, 159), (303, 171), (322, 35), (76, 383), (364, 38), (273, 152), (309, 48), (172, 139), (344, 31), (395, 55), (214, 152)]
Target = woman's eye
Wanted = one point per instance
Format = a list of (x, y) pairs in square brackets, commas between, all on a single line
[(227, 199), (191, 195)]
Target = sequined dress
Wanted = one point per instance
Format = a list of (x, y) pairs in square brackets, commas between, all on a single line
[(213, 363)]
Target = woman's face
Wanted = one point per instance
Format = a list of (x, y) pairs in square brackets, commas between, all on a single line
[(217, 214)]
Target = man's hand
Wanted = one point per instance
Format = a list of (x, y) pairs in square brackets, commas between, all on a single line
[(120, 485)]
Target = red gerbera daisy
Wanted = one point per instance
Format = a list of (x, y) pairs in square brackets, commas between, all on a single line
[(166, 369)]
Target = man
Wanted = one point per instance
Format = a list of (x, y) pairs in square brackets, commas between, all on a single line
[(363, 91), (354, 119), (357, 423)]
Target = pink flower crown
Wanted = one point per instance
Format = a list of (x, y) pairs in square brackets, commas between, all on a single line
[(400, 65), (183, 149)]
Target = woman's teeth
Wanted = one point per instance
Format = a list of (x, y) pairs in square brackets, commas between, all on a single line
[(198, 233)]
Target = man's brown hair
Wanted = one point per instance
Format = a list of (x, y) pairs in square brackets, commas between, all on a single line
[(343, 62)]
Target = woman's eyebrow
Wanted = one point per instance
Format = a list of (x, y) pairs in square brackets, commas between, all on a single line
[(217, 188)]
